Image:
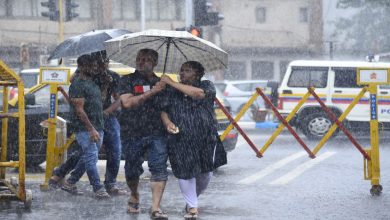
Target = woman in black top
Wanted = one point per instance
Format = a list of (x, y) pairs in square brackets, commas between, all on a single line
[(194, 147)]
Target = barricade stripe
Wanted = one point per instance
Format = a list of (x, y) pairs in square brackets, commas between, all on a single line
[(301, 168), (233, 122), (271, 168)]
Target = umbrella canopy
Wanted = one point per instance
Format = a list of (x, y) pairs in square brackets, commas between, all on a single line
[(173, 47), (86, 43)]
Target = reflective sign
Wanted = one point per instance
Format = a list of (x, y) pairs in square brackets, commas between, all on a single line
[(374, 115)]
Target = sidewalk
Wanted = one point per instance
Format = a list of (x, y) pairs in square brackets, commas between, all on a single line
[(38, 174), (246, 123)]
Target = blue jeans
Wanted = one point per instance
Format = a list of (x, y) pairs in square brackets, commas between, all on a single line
[(112, 144), (88, 160), (134, 152)]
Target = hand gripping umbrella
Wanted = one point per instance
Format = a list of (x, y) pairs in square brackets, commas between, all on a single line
[(85, 43), (173, 47)]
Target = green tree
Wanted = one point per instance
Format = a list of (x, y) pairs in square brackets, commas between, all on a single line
[(371, 23)]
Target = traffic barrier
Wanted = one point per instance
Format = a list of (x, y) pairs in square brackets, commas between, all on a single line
[(56, 145), (234, 123), (18, 191), (338, 122), (285, 123), (58, 150), (369, 76)]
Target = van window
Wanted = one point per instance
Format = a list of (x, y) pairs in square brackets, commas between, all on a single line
[(316, 77), (346, 78)]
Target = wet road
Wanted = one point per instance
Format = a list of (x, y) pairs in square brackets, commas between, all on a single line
[(284, 184)]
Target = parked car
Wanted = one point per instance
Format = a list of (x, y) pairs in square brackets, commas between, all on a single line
[(335, 82), (239, 92), (37, 111)]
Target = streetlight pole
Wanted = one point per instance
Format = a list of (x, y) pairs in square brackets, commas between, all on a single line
[(60, 21), (142, 15), (331, 50), (189, 6)]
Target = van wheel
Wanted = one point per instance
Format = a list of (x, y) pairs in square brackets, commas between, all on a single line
[(316, 125)]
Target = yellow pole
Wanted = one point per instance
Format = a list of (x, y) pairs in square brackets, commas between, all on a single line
[(22, 142), (374, 135), (51, 136), (239, 115), (4, 132), (341, 118)]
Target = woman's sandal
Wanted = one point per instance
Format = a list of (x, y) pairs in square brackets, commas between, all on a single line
[(72, 190), (192, 215), (102, 194), (154, 217), (134, 206)]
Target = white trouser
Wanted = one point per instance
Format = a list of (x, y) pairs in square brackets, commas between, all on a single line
[(194, 187)]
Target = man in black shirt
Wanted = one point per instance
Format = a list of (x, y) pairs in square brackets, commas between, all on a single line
[(142, 130)]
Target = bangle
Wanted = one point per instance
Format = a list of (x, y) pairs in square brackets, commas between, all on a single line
[(142, 97)]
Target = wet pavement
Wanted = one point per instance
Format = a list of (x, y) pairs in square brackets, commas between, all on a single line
[(328, 187)]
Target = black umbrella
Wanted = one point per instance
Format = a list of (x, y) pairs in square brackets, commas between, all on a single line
[(86, 43)]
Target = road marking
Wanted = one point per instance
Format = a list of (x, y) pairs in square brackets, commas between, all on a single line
[(301, 168), (271, 168), (242, 142)]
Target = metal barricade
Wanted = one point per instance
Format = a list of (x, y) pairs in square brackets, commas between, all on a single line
[(14, 190)]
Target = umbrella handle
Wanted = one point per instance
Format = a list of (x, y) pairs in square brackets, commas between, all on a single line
[(166, 56)]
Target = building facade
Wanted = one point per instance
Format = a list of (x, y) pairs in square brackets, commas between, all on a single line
[(261, 36)]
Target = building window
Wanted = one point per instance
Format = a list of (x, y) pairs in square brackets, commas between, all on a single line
[(125, 9), (283, 68), (154, 10), (303, 16), (3, 7), (262, 70), (84, 8), (261, 15), (163, 10), (236, 71), (22, 8)]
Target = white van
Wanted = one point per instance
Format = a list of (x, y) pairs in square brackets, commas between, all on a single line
[(335, 83)]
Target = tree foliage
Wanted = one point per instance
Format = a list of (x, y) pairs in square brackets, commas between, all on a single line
[(369, 25)]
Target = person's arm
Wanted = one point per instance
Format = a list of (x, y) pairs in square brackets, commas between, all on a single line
[(131, 101), (78, 104), (191, 91), (114, 106), (171, 128), (75, 75)]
